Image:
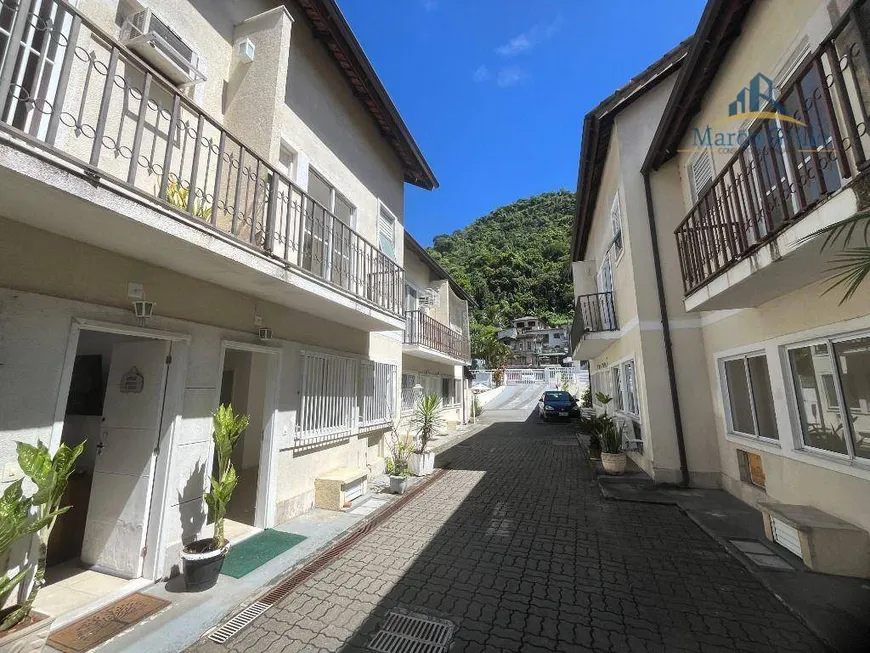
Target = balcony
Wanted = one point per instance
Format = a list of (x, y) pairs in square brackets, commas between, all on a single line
[(97, 146), (595, 327), (426, 337), (792, 168)]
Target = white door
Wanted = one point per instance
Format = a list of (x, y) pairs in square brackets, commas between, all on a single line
[(121, 491)]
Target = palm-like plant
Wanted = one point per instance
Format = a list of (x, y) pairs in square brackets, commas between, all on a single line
[(178, 196), (851, 264), (228, 428), (428, 420), (50, 475)]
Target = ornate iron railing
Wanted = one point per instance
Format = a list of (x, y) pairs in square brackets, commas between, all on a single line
[(71, 89), (420, 329), (594, 312), (788, 163)]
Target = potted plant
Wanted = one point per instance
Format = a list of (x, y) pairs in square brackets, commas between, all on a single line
[(397, 465), (202, 560), (612, 456), (428, 419), (594, 446), (21, 629)]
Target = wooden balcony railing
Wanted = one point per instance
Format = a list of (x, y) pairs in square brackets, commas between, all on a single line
[(70, 89), (594, 312), (420, 329), (785, 165)]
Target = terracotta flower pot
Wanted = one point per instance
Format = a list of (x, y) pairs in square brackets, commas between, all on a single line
[(613, 463), (29, 638)]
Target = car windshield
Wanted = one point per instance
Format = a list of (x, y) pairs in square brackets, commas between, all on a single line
[(557, 396)]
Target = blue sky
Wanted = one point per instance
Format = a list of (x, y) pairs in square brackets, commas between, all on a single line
[(494, 91)]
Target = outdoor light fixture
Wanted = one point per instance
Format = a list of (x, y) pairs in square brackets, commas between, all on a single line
[(264, 334), (143, 310), (245, 51), (418, 389)]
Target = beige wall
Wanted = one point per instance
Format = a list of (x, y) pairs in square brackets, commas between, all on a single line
[(770, 39)]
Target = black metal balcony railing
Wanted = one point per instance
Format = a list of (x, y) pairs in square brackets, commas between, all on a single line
[(593, 313), (72, 90), (420, 329), (785, 166)]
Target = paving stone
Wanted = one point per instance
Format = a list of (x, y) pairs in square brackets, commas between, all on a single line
[(516, 546)]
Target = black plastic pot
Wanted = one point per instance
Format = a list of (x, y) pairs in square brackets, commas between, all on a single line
[(200, 566)]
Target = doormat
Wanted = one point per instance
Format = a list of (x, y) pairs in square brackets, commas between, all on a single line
[(257, 551), (101, 626)]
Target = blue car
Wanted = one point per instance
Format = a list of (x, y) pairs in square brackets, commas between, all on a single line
[(557, 404)]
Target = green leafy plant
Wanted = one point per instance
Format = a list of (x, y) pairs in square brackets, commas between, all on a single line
[(851, 263), (476, 408), (498, 377), (50, 475), (16, 522), (178, 196), (400, 450), (228, 428), (428, 420), (608, 432), (586, 398)]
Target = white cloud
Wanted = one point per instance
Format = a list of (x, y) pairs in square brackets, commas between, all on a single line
[(482, 74), (531, 38), (430, 5), (510, 76)]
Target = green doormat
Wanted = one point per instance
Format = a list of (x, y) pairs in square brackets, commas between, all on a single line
[(257, 551)]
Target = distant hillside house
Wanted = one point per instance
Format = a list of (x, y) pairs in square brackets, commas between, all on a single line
[(534, 342)]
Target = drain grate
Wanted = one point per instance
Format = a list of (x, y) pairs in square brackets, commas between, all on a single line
[(409, 632), (246, 617), (239, 621)]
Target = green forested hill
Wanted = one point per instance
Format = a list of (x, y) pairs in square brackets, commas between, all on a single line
[(515, 260)]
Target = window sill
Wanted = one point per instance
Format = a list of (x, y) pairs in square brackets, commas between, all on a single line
[(765, 444)]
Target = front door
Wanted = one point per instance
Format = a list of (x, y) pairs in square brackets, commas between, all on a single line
[(121, 491)]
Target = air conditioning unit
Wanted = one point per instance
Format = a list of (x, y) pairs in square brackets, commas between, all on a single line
[(429, 298), (153, 40)]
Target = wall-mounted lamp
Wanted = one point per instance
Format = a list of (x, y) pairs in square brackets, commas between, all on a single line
[(143, 310), (245, 51)]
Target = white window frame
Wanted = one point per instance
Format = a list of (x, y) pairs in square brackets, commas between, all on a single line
[(606, 264), (618, 242), (618, 388), (338, 373), (290, 171), (726, 396), (384, 209), (793, 401), (379, 407), (624, 377)]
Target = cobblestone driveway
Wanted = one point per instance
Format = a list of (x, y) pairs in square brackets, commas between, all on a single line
[(515, 546)]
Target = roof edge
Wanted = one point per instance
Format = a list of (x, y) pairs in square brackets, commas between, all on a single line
[(412, 244), (328, 20)]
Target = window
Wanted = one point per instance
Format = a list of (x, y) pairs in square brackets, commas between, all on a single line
[(387, 232), (328, 396), (700, 174), (616, 381), (287, 161), (408, 383), (605, 275), (324, 193), (832, 386), (630, 382), (446, 389), (749, 398), (377, 397), (616, 224)]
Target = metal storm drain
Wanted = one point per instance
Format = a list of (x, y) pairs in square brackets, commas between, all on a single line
[(409, 632)]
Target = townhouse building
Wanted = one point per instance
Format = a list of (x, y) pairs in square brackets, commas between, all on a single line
[(755, 380), (437, 341), (200, 203)]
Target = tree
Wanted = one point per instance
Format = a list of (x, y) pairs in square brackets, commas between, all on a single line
[(851, 264), (485, 345)]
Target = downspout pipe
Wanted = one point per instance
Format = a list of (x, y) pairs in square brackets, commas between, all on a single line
[(666, 330)]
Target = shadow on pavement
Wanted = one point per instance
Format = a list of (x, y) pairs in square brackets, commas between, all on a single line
[(516, 548)]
